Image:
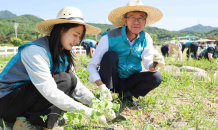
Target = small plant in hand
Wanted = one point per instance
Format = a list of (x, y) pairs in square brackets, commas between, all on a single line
[(75, 118)]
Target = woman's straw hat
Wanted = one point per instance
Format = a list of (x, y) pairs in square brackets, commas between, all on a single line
[(116, 16), (66, 15)]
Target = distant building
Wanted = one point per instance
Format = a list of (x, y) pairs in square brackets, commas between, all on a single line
[(206, 42), (188, 37), (211, 38)]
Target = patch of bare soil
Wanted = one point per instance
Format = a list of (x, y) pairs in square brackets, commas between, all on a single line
[(209, 104)]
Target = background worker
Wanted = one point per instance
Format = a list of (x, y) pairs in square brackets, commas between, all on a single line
[(175, 44), (192, 48), (209, 53), (89, 45), (164, 50)]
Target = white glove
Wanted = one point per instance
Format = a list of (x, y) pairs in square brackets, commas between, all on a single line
[(159, 59), (102, 119), (112, 116), (105, 91)]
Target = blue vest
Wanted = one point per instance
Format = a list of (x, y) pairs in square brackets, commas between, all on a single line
[(129, 56), (14, 74), (215, 53), (90, 43), (187, 44)]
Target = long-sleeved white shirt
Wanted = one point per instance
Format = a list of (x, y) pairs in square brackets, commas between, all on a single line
[(37, 64), (102, 48)]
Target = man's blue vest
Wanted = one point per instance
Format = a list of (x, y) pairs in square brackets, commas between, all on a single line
[(129, 56), (14, 74)]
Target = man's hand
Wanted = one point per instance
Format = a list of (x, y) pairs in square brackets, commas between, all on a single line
[(105, 92), (158, 61)]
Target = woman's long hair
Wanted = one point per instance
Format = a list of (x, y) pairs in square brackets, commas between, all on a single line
[(56, 47)]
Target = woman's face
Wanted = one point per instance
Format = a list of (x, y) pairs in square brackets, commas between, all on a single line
[(71, 37)]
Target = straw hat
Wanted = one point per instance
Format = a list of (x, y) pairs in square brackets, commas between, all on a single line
[(116, 16), (66, 15)]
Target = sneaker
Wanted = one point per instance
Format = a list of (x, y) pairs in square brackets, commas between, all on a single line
[(22, 124), (133, 102)]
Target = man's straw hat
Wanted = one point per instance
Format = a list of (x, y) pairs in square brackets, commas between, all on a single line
[(66, 15), (116, 16)]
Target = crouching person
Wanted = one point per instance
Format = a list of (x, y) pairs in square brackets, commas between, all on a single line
[(39, 80), (120, 53)]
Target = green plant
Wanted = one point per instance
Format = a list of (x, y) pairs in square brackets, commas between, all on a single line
[(16, 41), (76, 117)]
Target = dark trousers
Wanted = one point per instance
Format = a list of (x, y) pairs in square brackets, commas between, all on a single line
[(164, 50), (185, 46), (26, 101), (86, 47), (193, 49), (138, 84)]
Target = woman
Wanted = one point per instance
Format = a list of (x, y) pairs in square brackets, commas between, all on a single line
[(39, 80)]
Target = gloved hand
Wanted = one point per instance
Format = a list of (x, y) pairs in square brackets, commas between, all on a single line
[(110, 116), (158, 60), (105, 92), (88, 113)]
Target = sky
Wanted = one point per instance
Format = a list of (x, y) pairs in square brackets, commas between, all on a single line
[(177, 15)]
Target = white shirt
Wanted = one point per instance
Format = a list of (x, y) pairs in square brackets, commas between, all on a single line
[(37, 64), (102, 48)]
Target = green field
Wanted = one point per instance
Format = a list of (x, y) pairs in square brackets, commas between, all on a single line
[(182, 102)]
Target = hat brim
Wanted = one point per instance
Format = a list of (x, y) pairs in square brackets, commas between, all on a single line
[(46, 27), (116, 16)]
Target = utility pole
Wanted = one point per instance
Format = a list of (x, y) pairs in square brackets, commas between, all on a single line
[(15, 26)]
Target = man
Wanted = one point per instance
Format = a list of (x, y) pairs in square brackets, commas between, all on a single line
[(121, 51), (175, 44), (192, 48), (209, 53), (89, 45)]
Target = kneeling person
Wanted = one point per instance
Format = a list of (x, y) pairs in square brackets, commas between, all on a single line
[(209, 53), (89, 45), (121, 50)]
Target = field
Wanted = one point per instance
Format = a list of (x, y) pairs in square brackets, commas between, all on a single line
[(183, 101)]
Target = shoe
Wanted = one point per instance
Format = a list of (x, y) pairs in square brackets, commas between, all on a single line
[(22, 124), (133, 102), (55, 125), (127, 96)]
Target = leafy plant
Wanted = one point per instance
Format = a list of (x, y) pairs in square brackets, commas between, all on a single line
[(100, 108), (16, 41)]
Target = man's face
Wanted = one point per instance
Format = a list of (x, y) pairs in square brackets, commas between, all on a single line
[(135, 21)]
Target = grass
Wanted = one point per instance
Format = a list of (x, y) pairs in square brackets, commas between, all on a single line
[(189, 102)]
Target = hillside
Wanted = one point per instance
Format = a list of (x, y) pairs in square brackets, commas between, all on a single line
[(27, 24), (7, 14), (25, 30), (199, 28)]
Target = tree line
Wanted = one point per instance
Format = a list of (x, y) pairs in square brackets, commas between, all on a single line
[(27, 23)]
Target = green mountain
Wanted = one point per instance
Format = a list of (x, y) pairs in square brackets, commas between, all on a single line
[(27, 23), (7, 14), (199, 28), (25, 30)]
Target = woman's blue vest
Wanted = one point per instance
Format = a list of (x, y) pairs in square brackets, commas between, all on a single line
[(14, 74), (129, 56)]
